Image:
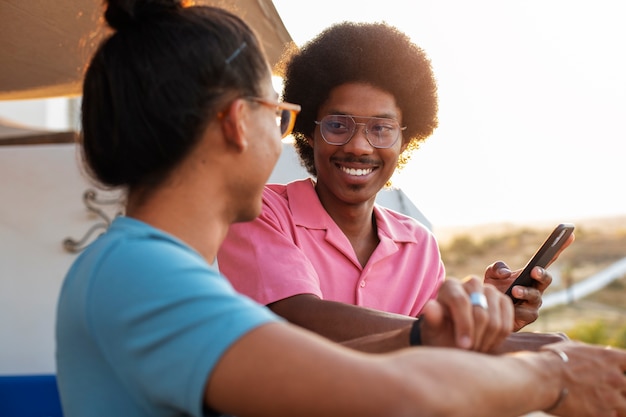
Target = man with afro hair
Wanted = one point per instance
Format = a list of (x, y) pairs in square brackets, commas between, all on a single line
[(323, 254)]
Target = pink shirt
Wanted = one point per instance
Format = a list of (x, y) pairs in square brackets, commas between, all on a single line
[(295, 247)]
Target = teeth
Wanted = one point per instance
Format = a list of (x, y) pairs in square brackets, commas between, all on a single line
[(356, 172)]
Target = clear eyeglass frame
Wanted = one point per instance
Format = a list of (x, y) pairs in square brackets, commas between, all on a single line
[(339, 129)]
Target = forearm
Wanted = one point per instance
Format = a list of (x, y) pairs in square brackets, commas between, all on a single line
[(279, 370), (339, 322), (470, 384), (529, 341), (381, 342)]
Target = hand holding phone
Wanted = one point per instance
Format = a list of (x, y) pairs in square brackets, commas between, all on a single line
[(550, 247)]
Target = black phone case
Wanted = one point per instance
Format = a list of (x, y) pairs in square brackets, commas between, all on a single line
[(546, 252)]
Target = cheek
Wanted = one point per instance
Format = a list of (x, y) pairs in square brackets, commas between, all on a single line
[(321, 148), (278, 148), (265, 149), (274, 145), (320, 155), (395, 152), (390, 158)]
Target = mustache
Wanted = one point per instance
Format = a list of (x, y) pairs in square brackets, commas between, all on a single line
[(354, 159)]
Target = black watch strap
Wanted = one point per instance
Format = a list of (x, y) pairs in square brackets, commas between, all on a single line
[(415, 338)]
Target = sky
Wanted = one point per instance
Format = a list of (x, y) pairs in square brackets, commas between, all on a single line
[(532, 99)]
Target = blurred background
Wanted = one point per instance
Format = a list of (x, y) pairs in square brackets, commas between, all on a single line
[(532, 133)]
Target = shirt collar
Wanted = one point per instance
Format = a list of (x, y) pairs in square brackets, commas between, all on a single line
[(307, 211)]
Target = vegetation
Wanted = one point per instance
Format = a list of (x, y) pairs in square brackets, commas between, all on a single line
[(599, 318), (599, 332)]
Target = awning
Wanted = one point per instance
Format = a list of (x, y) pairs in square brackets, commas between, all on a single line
[(45, 45)]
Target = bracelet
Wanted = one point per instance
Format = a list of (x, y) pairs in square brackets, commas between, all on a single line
[(415, 337), (564, 390)]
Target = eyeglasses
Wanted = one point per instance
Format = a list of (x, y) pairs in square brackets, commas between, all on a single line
[(380, 132), (285, 114)]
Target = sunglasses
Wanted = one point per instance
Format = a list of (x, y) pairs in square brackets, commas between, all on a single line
[(285, 113)]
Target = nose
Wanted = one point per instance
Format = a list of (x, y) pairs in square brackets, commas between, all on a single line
[(358, 143)]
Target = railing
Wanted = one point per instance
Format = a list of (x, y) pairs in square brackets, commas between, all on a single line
[(587, 286)]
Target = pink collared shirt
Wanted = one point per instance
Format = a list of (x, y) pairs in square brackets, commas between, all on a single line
[(294, 247)]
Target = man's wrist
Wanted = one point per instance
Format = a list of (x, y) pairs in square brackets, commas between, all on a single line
[(415, 336)]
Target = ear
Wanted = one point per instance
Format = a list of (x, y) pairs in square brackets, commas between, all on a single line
[(233, 124), (310, 140)]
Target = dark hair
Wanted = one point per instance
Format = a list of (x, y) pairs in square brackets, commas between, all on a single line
[(152, 86), (373, 53)]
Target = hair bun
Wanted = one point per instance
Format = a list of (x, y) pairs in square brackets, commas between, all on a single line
[(123, 13)]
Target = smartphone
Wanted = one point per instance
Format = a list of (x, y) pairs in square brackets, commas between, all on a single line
[(546, 252)]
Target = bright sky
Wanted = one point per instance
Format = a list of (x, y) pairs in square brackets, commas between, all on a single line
[(532, 104)]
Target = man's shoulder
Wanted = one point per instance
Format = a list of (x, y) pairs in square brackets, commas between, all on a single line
[(297, 187), (295, 203), (294, 197)]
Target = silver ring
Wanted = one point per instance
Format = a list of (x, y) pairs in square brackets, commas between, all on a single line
[(478, 299)]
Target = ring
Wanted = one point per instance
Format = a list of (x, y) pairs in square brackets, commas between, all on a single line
[(478, 299)]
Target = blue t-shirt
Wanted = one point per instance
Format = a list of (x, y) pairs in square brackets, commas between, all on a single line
[(142, 320)]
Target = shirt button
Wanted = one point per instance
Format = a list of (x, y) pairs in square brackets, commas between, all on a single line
[(362, 284)]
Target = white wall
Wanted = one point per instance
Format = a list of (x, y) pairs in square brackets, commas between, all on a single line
[(41, 204), (54, 113)]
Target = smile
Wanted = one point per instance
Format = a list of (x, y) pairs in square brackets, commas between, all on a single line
[(357, 172)]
